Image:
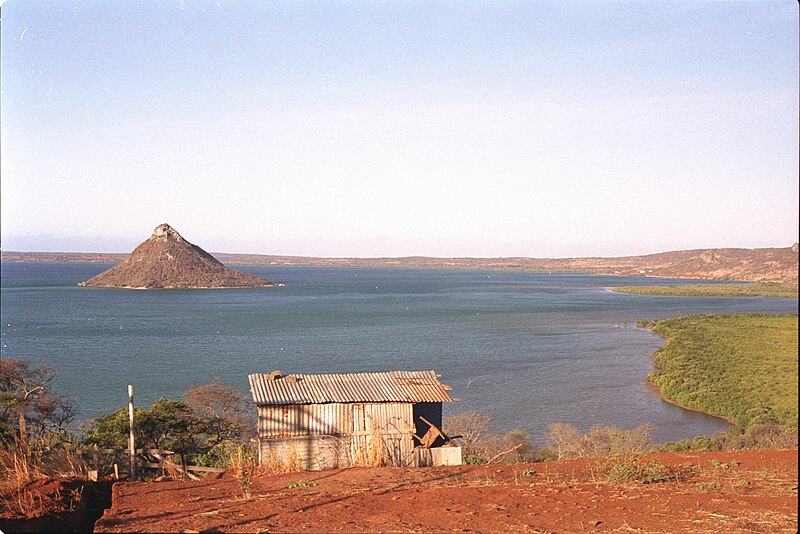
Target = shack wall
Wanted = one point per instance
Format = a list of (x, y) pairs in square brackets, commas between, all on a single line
[(326, 436)]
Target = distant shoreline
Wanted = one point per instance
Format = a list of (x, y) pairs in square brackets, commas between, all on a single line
[(744, 265)]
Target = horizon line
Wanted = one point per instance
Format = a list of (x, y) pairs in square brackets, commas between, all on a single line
[(794, 245)]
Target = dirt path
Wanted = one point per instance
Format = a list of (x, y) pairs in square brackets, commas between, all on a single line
[(745, 491)]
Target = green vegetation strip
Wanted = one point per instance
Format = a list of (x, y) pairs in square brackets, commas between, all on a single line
[(742, 367), (715, 290)]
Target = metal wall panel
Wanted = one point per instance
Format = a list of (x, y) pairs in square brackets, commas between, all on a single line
[(304, 419), (323, 436)]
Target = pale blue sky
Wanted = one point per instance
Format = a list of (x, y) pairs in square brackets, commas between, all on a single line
[(382, 129)]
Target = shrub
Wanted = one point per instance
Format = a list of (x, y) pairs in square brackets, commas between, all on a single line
[(243, 460), (202, 430), (479, 446), (697, 443), (216, 456), (524, 451), (565, 441), (473, 429), (763, 436), (633, 468), (301, 484)]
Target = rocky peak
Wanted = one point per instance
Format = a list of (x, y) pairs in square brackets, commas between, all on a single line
[(164, 232)]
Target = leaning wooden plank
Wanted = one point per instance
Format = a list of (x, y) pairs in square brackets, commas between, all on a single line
[(200, 468), (122, 451), (176, 467), (203, 469)]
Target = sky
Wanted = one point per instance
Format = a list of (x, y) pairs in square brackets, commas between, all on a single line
[(498, 128)]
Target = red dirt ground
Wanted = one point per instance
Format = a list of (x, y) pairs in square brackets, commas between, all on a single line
[(54, 505), (742, 491)]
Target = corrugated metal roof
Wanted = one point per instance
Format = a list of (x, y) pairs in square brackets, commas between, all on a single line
[(390, 386)]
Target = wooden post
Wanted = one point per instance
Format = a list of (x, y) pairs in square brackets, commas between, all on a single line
[(132, 446)]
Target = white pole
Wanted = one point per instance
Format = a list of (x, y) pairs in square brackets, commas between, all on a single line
[(131, 443)]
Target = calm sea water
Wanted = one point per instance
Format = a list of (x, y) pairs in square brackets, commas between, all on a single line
[(527, 349)]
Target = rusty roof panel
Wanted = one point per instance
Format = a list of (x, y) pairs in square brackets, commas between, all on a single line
[(390, 386)]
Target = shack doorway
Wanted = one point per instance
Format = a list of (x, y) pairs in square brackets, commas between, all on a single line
[(432, 411)]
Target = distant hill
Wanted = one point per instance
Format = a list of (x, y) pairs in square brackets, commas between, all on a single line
[(167, 261), (751, 265)]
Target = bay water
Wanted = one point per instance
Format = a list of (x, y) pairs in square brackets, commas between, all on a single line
[(527, 349)]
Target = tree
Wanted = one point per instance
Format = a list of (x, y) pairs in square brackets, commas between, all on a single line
[(227, 411), (167, 424), (26, 399), (111, 430), (170, 423)]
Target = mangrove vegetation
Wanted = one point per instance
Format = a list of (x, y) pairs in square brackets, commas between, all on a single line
[(715, 290), (742, 367)]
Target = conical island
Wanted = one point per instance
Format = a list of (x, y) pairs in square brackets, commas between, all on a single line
[(167, 261)]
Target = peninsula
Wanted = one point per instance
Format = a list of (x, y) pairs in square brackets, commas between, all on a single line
[(167, 261)]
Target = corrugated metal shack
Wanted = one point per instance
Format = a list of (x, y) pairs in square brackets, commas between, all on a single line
[(326, 421)]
